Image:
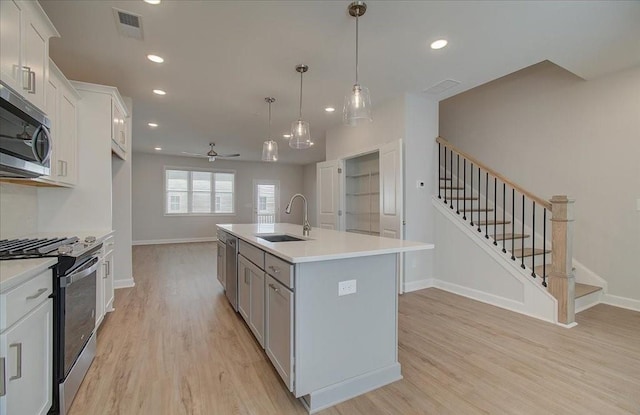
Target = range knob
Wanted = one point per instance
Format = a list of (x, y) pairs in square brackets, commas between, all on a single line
[(65, 249), (90, 239)]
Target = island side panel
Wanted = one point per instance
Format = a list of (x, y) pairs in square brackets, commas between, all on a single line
[(342, 337)]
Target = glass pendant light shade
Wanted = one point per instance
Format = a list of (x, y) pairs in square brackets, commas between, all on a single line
[(269, 147), (357, 106), (270, 151), (300, 136)]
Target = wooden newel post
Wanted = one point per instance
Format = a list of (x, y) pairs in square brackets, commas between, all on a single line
[(561, 279)]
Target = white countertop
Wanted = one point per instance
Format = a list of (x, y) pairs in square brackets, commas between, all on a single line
[(321, 244), (16, 271)]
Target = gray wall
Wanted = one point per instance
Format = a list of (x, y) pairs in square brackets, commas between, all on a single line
[(554, 133), (150, 223)]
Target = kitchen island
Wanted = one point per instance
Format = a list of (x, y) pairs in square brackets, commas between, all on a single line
[(324, 307)]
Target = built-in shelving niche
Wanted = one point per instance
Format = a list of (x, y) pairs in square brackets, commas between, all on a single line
[(362, 191)]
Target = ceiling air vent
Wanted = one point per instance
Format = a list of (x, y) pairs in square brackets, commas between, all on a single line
[(128, 24), (442, 86)]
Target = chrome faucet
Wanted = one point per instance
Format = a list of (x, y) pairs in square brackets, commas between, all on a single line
[(306, 227)]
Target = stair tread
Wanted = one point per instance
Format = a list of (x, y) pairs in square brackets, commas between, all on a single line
[(528, 252), (452, 187), (490, 222), (463, 198), (506, 236), (585, 289)]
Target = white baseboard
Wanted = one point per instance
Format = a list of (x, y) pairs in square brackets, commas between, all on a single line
[(419, 285), (128, 283), (623, 302), (175, 241)]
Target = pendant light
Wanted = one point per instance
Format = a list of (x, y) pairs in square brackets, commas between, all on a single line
[(357, 104), (270, 147), (300, 136)]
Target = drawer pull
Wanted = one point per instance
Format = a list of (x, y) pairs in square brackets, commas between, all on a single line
[(274, 288), (275, 270), (38, 294), (18, 347), (3, 387)]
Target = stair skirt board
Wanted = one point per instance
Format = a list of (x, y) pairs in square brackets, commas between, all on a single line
[(587, 300), (488, 275)]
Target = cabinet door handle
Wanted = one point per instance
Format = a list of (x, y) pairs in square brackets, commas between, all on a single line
[(18, 347), (246, 276), (3, 387), (26, 71), (274, 288), (32, 84), (65, 168), (276, 270), (37, 294)]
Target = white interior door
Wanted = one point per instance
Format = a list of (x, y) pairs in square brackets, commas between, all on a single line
[(329, 187), (266, 201), (391, 199)]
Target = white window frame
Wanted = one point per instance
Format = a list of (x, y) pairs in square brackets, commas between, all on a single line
[(276, 183), (190, 191)]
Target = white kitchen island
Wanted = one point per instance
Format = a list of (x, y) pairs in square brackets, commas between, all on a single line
[(325, 309)]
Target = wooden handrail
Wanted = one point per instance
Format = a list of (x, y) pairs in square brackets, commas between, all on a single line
[(544, 203)]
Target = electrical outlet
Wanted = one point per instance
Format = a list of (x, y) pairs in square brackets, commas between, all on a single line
[(346, 287)]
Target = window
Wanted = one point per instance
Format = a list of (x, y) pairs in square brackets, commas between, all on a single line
[(198, 192), (266, 201)]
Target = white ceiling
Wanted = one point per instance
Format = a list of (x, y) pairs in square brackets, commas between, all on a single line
[(223, 57)]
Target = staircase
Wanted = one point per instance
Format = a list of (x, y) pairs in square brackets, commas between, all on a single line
[(533, 233)]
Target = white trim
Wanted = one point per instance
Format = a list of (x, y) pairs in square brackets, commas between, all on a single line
[(128, 283), (419, 285), (174, 241), (623, 302), (587, 301), (190, 191)]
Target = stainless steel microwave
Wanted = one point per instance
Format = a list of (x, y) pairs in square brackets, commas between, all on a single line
[(25, 141)]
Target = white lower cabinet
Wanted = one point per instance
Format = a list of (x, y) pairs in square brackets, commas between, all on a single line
[(107, 282), (25, 363), (104, 281), (279, 337), (251, 297)]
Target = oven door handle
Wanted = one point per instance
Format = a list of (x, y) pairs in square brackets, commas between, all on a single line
[(80, 274)]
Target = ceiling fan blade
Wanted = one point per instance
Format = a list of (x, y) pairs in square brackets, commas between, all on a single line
[(193, 154), (228, 155)]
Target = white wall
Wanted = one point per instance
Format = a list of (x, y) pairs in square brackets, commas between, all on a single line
[(414, 119), (18, 210), (121, 212), (150, 223), (554, 133), (309, 191)]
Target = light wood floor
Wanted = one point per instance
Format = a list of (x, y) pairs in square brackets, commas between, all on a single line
[(174, 346)]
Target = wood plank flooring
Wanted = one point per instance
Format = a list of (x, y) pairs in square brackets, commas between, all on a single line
[(174, 346)]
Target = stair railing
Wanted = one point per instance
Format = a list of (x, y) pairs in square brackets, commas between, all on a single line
[(525, 209)]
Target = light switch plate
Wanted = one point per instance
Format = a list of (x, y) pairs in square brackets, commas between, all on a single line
[(346, 287)]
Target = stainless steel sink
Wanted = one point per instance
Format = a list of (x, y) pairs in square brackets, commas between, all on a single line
[(280, 238)]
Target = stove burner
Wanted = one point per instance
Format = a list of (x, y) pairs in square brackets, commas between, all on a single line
[(32, 248)]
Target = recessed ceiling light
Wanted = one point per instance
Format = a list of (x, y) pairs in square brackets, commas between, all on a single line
[(153, 1), (329, 109), (311, 143), (152, 125), (155, 58), (159, 92), (157, 148), (439, 44), (286, 135)]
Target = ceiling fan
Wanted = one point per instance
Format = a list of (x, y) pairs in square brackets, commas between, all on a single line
[(211, 154)]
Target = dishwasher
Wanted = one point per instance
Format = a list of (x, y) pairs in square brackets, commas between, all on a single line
[(231, 259)]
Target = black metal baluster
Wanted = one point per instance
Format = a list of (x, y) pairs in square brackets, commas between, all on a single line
[(439, 165), (522, 244), (495, 210), (458, 184), (451, 175), (533, 240), (513, 223), (479, 190), (544, 247), (471, 201), (504, 222), (486, 205), (464, 190), (445, 175)]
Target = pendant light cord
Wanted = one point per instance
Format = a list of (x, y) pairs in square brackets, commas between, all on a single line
[(300, 117), (357, 15), (269, 119)]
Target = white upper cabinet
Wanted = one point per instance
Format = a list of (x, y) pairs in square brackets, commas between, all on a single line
[(61, 107), (24, 48), (118, 129)]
